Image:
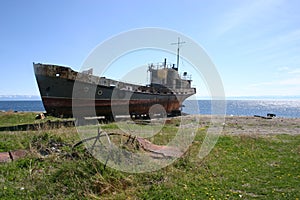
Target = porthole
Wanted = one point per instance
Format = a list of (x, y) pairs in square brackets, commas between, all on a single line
[(99, 92)]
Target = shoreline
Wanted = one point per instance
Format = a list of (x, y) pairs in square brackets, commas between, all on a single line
[(183, 114), (232, 125), (282, 108), (250, 125)]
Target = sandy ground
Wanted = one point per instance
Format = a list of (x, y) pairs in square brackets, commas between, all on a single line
[(256, 125)]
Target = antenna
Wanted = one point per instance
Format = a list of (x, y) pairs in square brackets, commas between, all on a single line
[(178, 46)]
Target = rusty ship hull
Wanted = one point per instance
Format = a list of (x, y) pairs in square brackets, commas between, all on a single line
[(65, 91)]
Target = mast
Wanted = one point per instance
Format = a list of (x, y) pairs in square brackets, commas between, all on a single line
[(178, 47)]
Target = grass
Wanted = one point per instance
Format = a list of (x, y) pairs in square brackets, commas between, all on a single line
[(239, 167), (12, 118)]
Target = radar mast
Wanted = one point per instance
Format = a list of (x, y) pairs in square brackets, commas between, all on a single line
[(178, 43)]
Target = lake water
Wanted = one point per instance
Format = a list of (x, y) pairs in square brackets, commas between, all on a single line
[(282, 108), (21, 106)]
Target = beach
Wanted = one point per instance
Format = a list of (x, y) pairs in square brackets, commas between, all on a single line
[(233, 125), (247, 125)]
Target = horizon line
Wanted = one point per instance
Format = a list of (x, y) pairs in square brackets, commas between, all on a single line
[(254, 97)]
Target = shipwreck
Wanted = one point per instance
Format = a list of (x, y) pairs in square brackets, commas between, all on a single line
[(107, 97)]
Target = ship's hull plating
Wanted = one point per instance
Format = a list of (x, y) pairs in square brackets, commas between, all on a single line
[(67, 93), (62, 97)]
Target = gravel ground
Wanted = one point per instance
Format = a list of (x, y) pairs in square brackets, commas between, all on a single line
[(257, 125)]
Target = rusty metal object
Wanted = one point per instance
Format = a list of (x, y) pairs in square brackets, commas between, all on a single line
[(98, 95), (157, 151)]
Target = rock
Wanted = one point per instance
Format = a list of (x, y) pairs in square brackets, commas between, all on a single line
[(15, 155), (40, 116), (4, 157), (12, 155), (271, 115)]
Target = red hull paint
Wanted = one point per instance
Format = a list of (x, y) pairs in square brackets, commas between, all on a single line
[(90, 107)]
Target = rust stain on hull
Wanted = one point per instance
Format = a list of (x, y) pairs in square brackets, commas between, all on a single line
[(87, 107), (64, 91)]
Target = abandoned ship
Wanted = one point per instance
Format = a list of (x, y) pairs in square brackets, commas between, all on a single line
[(64, 90)]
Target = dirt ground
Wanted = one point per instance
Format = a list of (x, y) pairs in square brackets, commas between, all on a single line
[(257, 125)]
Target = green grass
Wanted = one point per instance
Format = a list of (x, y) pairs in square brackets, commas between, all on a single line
[(239, 167), (12, 119)]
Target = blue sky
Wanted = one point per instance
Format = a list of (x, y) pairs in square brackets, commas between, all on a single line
[(255, 45)]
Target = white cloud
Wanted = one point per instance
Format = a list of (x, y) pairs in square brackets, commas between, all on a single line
[(286, 84), (283, 68), (295, 71), (290, 81), (248, 11), (287, 38), (288, 77), (261, 84)]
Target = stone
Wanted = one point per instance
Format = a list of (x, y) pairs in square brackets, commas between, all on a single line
[(15, 155), (4, 157)]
